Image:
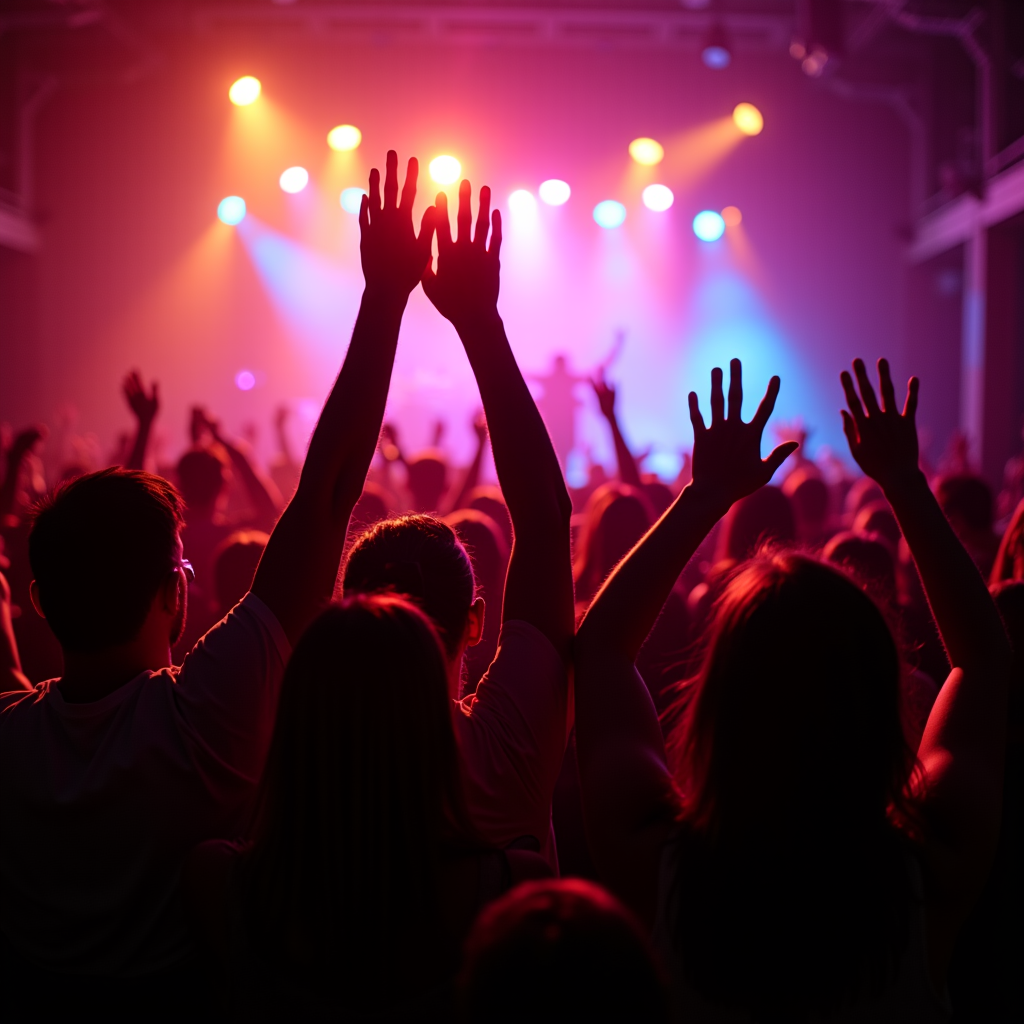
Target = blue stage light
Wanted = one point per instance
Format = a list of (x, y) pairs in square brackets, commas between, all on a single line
[(609, 213), (708, 226), (351, 199), (231, 210)]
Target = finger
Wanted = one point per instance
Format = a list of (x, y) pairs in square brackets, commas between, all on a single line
[(425, 239), (495, 247), (464, 218), (428, 279), (767, 406), (375, 190), (735, 388), (910, 406), (155, 395), (850, 430), (779, 456), (695, 417), (856, 409), (866, 390), (364, 208), (412, 174), (717, 398), (885, 386), (442, 225), (391, 180), (483, 218)]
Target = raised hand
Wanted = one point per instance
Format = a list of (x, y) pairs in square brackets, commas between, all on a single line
[(464, 289), (727, 463), (24, 441), (480, 427), (882, 440), (605, 396), (393, 255), (144, 407)]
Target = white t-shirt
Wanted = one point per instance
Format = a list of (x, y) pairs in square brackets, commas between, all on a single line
[(100, 802), (512, 733)]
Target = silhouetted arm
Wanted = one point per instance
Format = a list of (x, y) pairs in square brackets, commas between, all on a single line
[(964, 742), (624, 780), (538, 588), (23, 443), (628, 472), (144, 408), (472, 475), (11, 676), (262, 493), (297, 573)]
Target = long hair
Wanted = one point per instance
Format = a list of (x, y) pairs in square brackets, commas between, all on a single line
[(617, 516), (360, 799), (791, 889)]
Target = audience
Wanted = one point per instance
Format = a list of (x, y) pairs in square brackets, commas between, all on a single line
[(746, 739)]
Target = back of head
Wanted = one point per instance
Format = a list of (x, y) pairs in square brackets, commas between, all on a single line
[(862, 492), (488, 499), (876, 519), (422, 557), (808, 494), (100, 548), (560, 950), (202, 477), (869, 561), (486, 546), (659, 496), (764, 516), (234, 565), (966, 498), (617, 517), (371, 507), (427, 480)]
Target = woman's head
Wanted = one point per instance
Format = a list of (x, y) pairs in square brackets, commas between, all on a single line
[(617, 516), (764, 516)]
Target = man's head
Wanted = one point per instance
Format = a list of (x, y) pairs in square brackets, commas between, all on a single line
[(101, 548), (202, 476)]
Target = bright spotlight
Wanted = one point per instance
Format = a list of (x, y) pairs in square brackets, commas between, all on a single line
[(748, 119), (293, 180), (522, 202), (708, 226), (231, 210), (245, 380), (445, 170), (245, 91), (658, 198), (352, 199), (554, 191), (716, 52), (732, 217), (609, 213), (344, 138), (647, 152)]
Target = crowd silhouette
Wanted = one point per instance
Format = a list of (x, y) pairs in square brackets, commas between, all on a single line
[(358, 737)]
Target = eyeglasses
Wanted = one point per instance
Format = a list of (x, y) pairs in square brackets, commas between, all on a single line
[(186, 566)]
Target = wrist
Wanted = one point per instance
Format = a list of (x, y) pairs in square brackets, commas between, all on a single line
[(707, 500), (478, 323), (905, 486), (385, 298)]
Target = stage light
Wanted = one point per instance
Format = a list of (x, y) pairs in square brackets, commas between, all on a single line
[(716, 52), (647, 152), (554, 191), (231, 210), (445, 170), (245, 380), (748, 118), (522, 202), (658, 198), (293, 180), (609, 213), (352, 199), (708, 226), (245, 91), (732, 217), (344, 138)]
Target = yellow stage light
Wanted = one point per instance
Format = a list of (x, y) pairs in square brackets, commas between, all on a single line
[(245, 91), (647, 152), (732, 216), (344, 138), (748, 119), (445, 170)]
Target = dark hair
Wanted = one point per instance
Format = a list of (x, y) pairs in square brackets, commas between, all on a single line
[(423, 558), (427, 480), (560, 950), (967, 497), (1009, 563), (488, 499), (808, 494), (100, 547), (877, 518), (371, 507), (235, 561), (360, 797), (761, 517), (870, 562), (791, 889), (617, 516), (201, 477)]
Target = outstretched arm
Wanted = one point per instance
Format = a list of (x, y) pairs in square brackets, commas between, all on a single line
[(11, 676), (538, 588), (963, 746), (144, 408), (624, 780), (628, 472), (472, 475), (297, 573), (262, 493)]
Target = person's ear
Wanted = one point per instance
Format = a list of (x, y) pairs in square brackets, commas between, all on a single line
[(475, 622), (172, 592), (33, 593)]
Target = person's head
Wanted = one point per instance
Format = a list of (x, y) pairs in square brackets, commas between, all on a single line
[(423, 558), (560, 950), (1009, 564), (486, 546), (876, 519), (616, 517), (371, 507), (766, 516), (869, 561), (202, 478), (863, 491), (234, 565), (659, 495), (967, 501), (1009, 598), (488, 499), (427, 480), (362, 789), (105, 552), (808, 494)]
